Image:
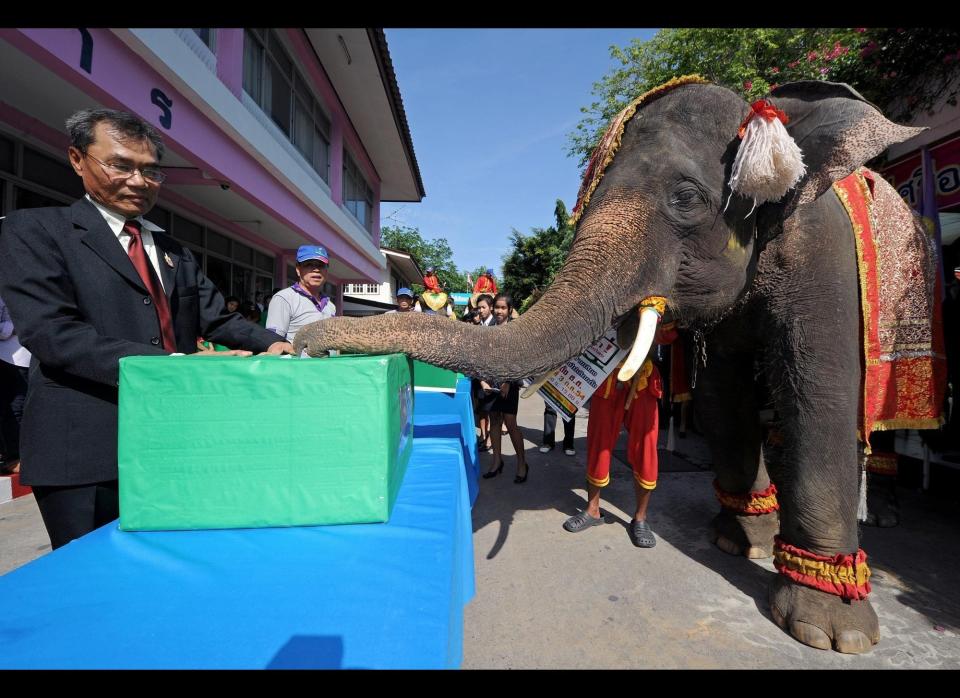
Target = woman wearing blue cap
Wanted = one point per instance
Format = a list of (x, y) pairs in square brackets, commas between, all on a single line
[(303, 303)]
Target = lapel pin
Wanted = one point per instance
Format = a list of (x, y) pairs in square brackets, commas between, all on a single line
[(166, 258)]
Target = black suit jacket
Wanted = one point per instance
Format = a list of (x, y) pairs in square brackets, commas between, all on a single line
[(79, 306)]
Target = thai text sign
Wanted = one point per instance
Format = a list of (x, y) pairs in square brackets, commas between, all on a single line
[(571, 385), (907, 176)]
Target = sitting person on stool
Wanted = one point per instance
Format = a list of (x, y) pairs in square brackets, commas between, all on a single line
[(633, 404)]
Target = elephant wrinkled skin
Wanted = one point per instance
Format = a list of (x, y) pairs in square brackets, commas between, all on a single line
[(776, 281)]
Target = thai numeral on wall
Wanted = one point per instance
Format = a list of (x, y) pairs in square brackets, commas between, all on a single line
[(86, 51), (164, 102)]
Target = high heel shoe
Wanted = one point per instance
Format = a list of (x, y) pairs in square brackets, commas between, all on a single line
[(493, 473), (520, 480)]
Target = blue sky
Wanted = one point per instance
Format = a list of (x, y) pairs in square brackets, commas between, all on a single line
[(489, 111)]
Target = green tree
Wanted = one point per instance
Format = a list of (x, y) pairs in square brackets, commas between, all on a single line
[(535, 259), (428, 253), (903, 71)]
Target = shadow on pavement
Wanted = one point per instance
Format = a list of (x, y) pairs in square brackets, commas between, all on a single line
[(918, 558), (679, 515), (916, 561)]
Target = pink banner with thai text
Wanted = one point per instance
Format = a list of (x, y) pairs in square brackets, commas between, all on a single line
[(907, 176)]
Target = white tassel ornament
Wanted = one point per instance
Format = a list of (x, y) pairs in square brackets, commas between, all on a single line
[(769, 162), (862, 503)]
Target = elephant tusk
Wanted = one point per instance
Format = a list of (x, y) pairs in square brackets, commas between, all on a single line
[(532, 389), (645, 333)]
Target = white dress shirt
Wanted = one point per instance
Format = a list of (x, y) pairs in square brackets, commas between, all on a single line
[(116, 223), (11, 350)]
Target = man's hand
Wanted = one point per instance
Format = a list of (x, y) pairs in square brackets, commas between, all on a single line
[(504, 389), (279, 348), (229, 352)]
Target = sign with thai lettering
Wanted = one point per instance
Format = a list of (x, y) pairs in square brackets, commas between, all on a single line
[(571, 385), (907, 176), (460, 298)]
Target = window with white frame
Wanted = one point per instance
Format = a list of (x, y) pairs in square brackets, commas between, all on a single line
[(362, 289), (273, 82), (208, 37), (357, 194)]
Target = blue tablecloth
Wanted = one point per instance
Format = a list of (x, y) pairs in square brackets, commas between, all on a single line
[(446, 415), (368, 595)]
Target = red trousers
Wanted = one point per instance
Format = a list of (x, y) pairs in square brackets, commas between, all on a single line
[(641, 418)]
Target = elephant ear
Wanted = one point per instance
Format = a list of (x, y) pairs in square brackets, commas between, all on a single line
[(836, 129)]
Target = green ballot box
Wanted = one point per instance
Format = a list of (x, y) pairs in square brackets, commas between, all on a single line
[(434, 379), (234, 442)]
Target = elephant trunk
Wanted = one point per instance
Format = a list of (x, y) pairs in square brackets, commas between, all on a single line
[(604, 278)]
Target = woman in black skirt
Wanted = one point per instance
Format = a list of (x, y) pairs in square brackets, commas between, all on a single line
[(503, 407), (482, 393)]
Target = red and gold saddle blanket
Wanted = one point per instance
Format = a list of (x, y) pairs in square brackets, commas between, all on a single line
[(905, 368)]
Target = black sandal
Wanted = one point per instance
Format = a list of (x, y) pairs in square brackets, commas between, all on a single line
[(581, 522), (642, 535), (520, 480), (493, 473)]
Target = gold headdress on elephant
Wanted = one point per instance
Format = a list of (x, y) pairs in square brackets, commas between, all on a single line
[(433, 297), (485, 284), (607, 147)]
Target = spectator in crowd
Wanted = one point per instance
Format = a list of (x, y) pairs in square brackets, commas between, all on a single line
[(266, 306), (303, 302), (503, 411), (485, 309), (483, 392), (14, 362), (232, 303), (250, 311), (550, 431), (404, 301), (87, 285)]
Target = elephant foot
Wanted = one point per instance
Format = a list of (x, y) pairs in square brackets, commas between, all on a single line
[(747, 535), (883, 507), (823, 620)]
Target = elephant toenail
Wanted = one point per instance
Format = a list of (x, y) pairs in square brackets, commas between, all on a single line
[(810, 635), (852, 642)]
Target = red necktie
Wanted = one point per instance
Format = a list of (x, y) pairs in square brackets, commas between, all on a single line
[(144, 268)]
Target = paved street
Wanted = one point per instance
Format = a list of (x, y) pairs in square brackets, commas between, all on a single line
[(550, 599)]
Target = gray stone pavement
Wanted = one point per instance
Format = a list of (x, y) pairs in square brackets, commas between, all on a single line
[(547, 598), (551, 599), (22, 535)]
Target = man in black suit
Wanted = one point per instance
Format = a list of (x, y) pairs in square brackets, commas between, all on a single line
[(91, 283)]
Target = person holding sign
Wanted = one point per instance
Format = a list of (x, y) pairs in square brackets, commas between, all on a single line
[(632, 404)]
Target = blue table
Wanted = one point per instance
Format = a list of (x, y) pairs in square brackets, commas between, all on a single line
[(360, 596), (450, 415)]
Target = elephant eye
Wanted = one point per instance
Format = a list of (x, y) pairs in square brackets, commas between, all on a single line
[(685, 198)]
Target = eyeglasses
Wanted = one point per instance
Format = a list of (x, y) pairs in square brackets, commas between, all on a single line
[(117, 172)]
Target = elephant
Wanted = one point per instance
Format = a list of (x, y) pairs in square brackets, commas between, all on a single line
[(775, 278)]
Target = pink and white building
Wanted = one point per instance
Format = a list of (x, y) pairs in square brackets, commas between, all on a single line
[(275, 138)]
